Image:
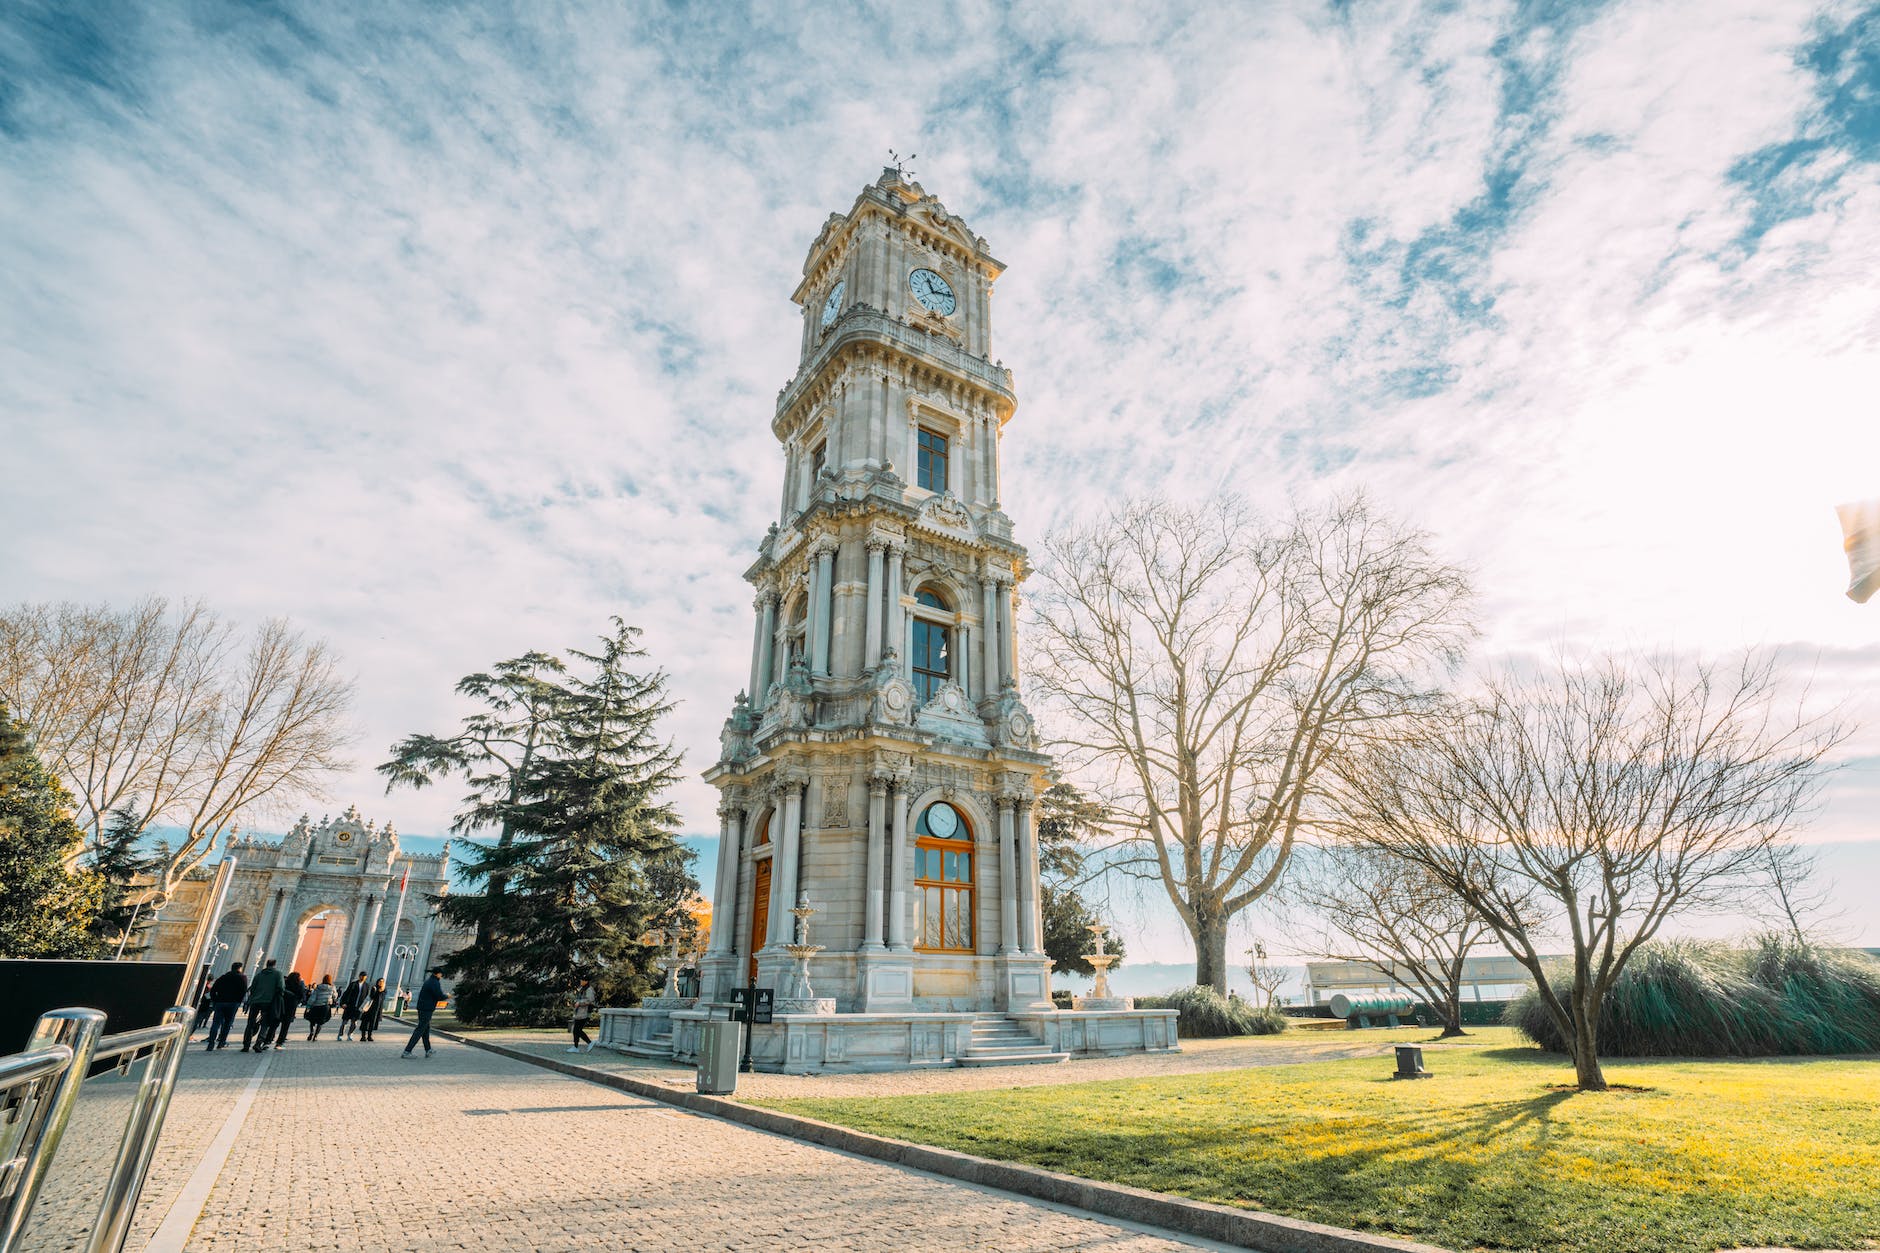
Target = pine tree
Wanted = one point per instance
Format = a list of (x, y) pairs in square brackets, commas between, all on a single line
[(587, 859), (119, 859), (46, 909), (1066, 821)]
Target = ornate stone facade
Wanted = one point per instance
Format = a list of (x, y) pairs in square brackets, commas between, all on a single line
[(883, 766), (324, 899)]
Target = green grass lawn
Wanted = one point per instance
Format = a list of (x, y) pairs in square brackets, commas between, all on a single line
[(1493, 1152)]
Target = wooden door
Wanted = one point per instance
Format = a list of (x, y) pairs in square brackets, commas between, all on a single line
[(760, 913)]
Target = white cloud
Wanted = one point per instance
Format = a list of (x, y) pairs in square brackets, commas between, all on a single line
[(450, 337)]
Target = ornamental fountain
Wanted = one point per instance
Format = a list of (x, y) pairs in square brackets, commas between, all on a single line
[(1100, 962), (802, 998)]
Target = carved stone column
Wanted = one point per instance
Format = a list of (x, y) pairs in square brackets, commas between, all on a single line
[(789, 843), (264, 929), (1008, 638), (1008, 875), (822, 593), (1030, 920), (989, 628), (763, 647), (872, 892), (725, 889), (877, 549), (354, 939), (897, 549), (898, 868)]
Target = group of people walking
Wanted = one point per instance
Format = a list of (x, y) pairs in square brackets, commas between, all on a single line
[(273, 999)]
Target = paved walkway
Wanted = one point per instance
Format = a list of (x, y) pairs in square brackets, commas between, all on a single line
[(349, 1146), (1196, 1057)]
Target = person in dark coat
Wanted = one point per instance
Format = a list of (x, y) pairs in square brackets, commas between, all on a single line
[(430, 996), (375, 1007), (352, 1003), (296, 996), (320, 1001), (265, 997), (225, 995)]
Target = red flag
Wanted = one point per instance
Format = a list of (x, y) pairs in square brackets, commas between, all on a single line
[(402, 879)]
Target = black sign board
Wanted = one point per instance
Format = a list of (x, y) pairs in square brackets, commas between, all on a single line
[(754, 1004), (132, 994)]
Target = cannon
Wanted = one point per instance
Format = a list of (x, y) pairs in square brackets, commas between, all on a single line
[(1367, 1011)]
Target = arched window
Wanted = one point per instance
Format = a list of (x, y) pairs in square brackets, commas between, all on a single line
[(943, 880), (795, 632), (933, 643)]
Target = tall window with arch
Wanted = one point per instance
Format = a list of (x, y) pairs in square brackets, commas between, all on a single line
[(943, 880), (933, 643), (795, 632)]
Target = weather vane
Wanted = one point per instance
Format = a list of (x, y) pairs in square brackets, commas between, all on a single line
[(900, 166)]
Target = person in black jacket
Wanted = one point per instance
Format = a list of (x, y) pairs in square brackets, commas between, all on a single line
[(296, 990), (369, 1016), (430, 996), (352, 1004), (225, 995), (266, 995)]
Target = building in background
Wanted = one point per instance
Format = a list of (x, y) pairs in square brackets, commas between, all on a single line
[(323, 899)]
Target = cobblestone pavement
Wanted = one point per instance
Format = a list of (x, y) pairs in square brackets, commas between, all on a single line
[(1196, 1057), (206, 1091), (349, 1146)]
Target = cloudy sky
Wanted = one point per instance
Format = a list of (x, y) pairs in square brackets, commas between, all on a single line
[(450, 332)]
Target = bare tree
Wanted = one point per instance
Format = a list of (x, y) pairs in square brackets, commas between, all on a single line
[(1793, 893), (1586, 806), (1375, 909), (163, 716), (1202, 666)]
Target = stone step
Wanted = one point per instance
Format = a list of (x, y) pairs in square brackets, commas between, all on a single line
[(1013, 1059)]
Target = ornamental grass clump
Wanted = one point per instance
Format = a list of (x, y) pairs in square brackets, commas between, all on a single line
[(1777, 997), (1204, 1013)]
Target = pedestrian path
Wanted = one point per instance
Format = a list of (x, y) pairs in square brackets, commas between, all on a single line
[(349, 1146)]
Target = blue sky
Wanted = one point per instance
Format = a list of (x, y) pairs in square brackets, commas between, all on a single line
[(450, 332)]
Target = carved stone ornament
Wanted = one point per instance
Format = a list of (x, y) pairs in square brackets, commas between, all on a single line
[(835, 794), (893, 700), (951, 716), (945, 513)]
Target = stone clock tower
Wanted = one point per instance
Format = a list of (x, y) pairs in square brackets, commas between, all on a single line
[(882, 767)]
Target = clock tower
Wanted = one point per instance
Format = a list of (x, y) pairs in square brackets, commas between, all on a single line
[(881, 768)]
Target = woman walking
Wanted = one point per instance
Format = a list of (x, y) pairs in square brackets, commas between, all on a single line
[(583, 1010), (320, 1001), (369, 1015)]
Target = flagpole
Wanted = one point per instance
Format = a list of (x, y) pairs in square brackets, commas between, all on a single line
[(392, 935)]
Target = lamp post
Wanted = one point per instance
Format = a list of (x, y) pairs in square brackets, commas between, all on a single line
[(404, 953)]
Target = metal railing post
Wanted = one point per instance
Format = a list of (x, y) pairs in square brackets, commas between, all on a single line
[(139, 1145), (78, 1030), (205, 931)]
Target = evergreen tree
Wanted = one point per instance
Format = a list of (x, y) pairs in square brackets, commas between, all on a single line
[(1066, 821), (119, 859), (587, 859), (46, 908)]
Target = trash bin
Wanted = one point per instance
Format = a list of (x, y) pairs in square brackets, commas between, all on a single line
[(718, 1046)]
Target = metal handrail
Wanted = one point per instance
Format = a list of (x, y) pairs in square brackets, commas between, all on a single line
[(23, 1068), (59, 1055)]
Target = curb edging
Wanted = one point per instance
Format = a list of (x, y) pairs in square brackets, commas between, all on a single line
[(1249, 1229)]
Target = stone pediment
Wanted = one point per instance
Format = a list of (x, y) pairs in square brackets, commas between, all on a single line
[(945, 515), (951, 716)]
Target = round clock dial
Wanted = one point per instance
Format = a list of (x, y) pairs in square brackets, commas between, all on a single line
[(932, 292), (941, 820), (833, 305), (345, 837)]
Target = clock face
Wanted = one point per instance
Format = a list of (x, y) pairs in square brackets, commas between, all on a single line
[(345, 837), (833, 305), (941, 820), (932, 292)]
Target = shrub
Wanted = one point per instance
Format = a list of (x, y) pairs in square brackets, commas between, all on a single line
[(1686, 998), (1204, 1013)]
